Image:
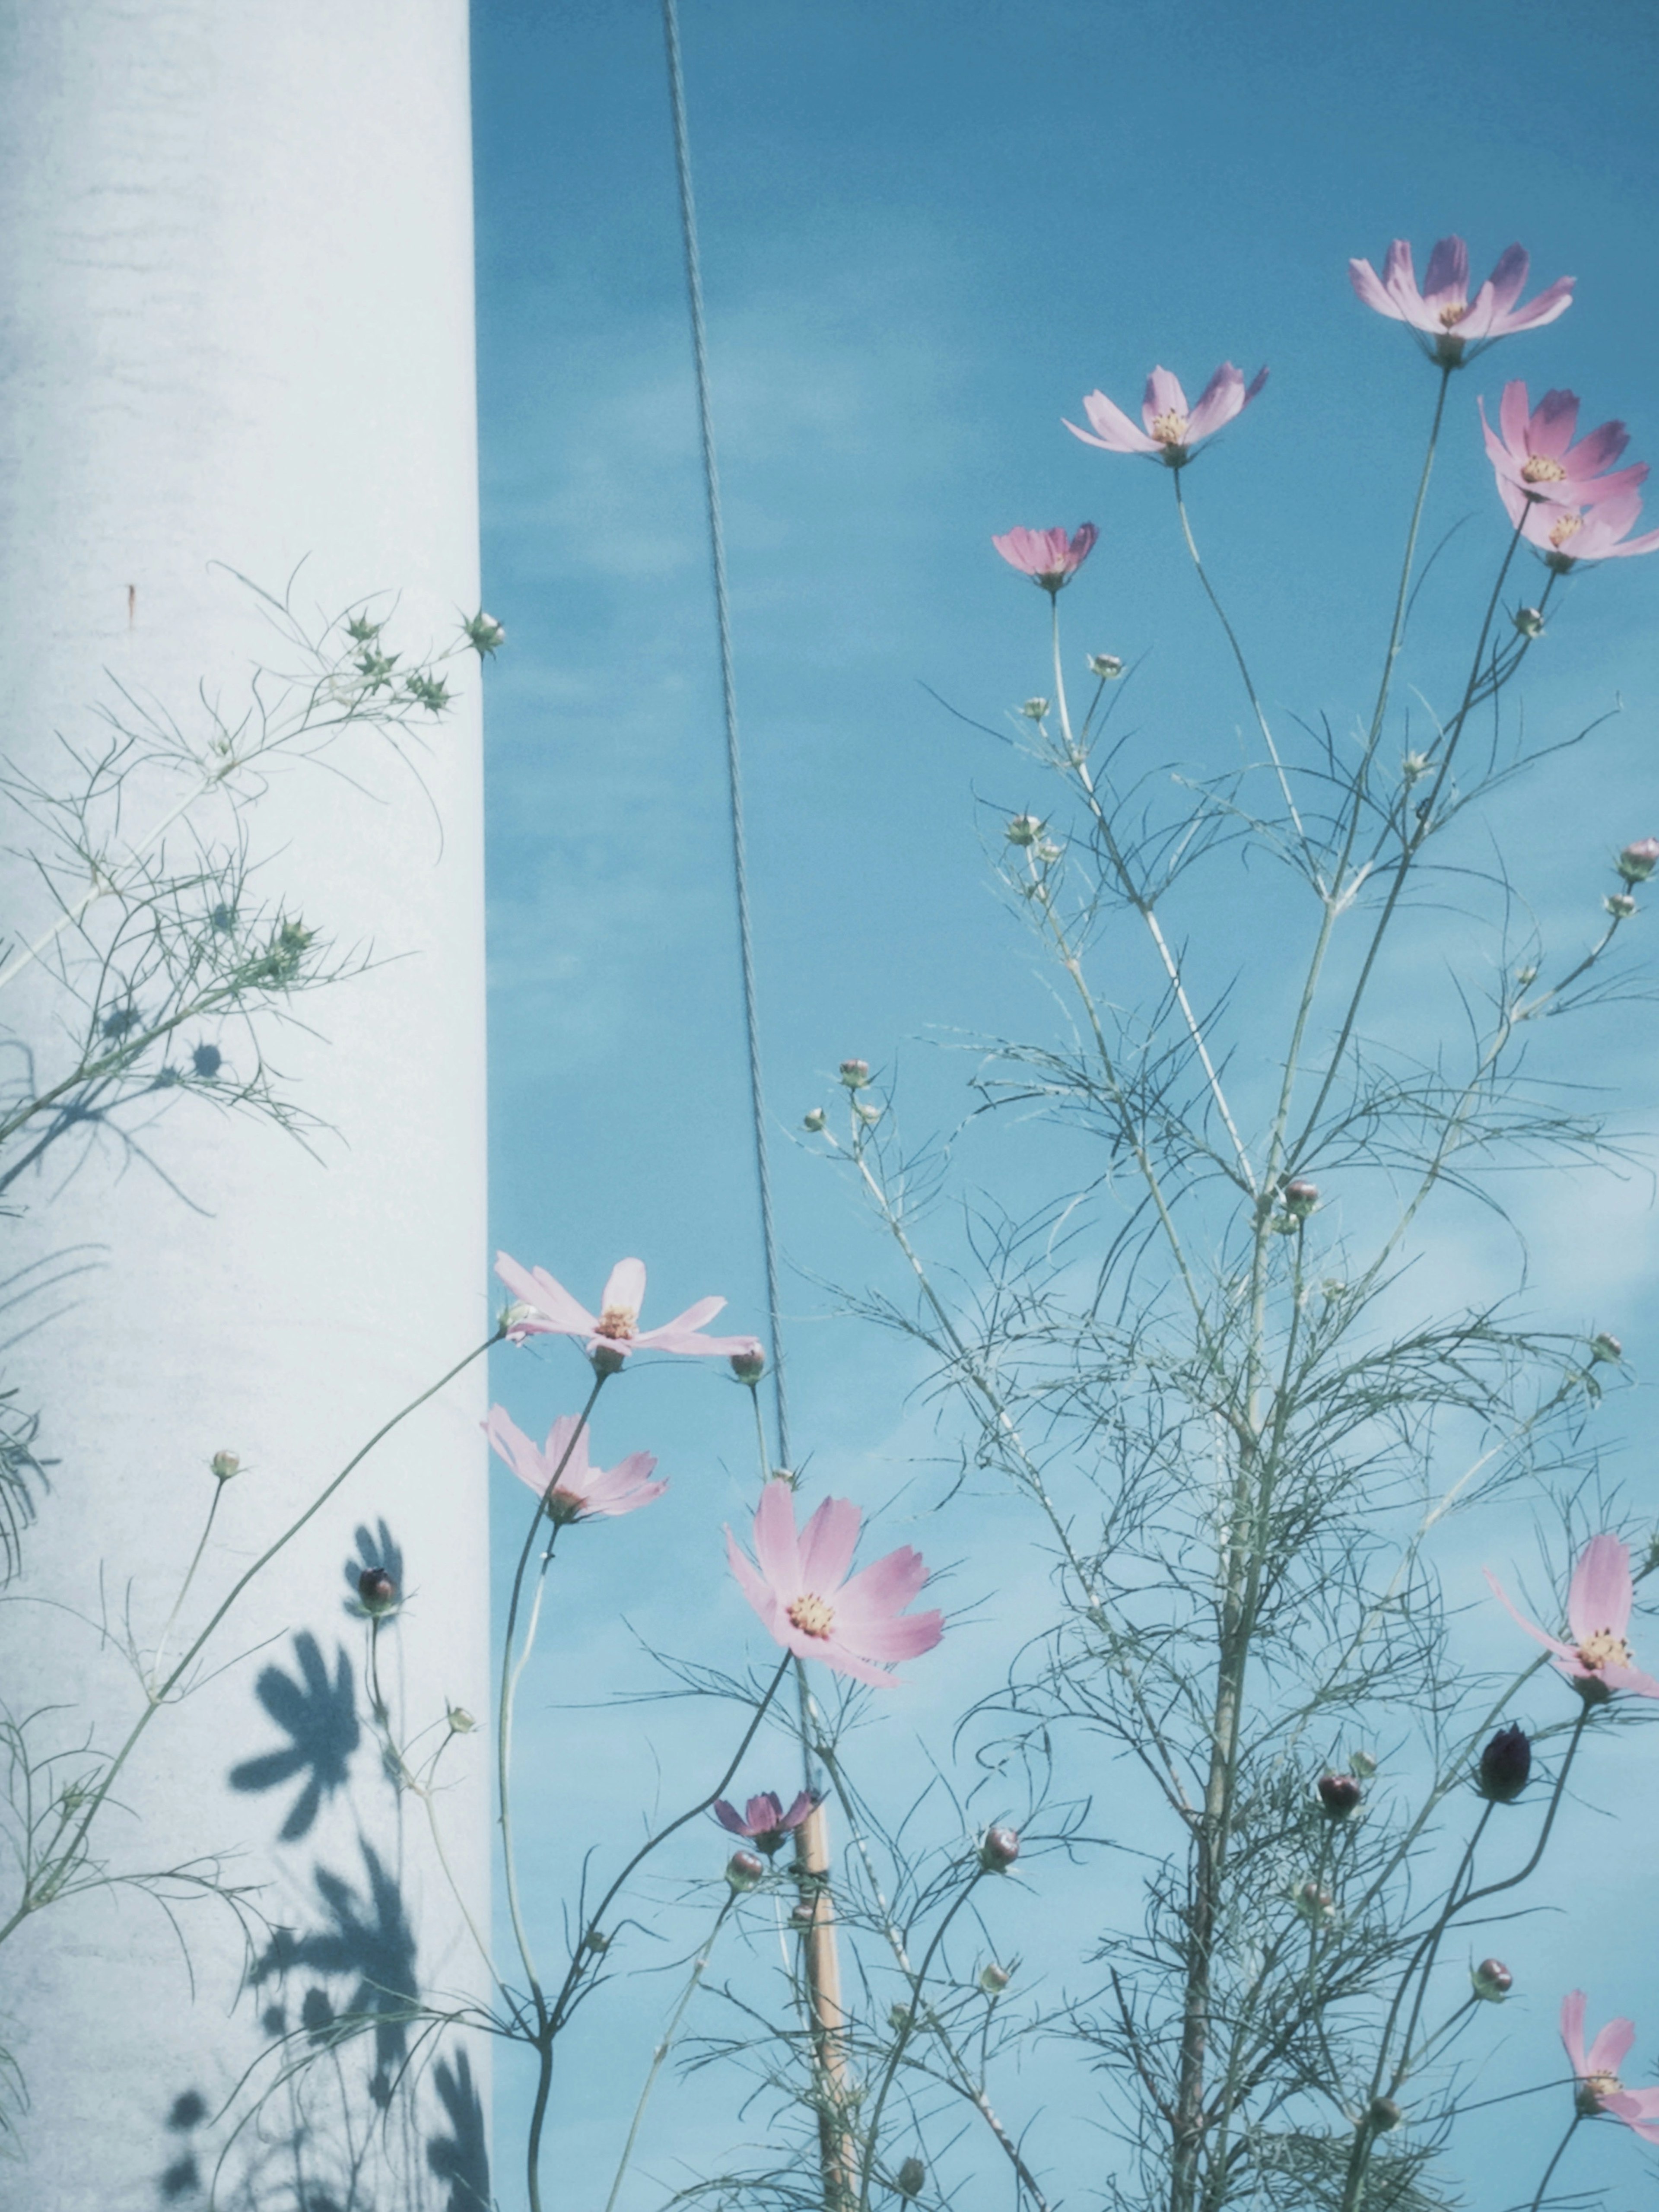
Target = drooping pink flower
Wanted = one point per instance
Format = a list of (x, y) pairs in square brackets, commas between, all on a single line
[(616, 1327), (575, 1489), (1564, 535), (764, 1820), (1535, 450), (1045, 556), (1172, 428), (804, 1596), (1598, 1660), (1460, 326), (1600, 2089)]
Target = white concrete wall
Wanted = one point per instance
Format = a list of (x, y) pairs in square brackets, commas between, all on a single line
[(235, 278)]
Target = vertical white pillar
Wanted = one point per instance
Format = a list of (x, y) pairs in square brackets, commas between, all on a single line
[(236, 284)]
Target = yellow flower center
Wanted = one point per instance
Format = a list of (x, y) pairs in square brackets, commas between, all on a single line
[(1603, 2085), (618, 1322), (1604, 1649), (1453, 314), (1569, 526), (1169, 429), (811, 1615), (1541, 468)]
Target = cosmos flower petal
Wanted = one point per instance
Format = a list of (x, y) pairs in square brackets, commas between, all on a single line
[(1448, 270), (883, 1588), (1638, 2109), (1508, 280), (764, 1811), (1164, 396), (511, 1443), (624, 1287), (806, 1801), (1552, 1643), (1550, 305), (1371, 290), (906, 1637), (1572, 2030), (729, 1818), (1611, 2048), (757, 1589), (1599, 1596), (861, 1617), (1221, 398), (827, 1544), (1631, 1678), (1111, 427), (776, 1547), (1552, 422), (534, 1287)]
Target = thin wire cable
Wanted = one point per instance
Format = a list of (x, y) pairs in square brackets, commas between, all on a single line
[(729, 692)]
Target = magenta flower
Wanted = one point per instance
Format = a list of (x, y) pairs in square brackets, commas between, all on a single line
[(1443, 311), (1600, 2089), (1565, 534), (764, 1820), (1172, 428), (804, 1597), (1045, 557), (1536, 453), (616, 1327), (575, 1491), (1598, 1660)]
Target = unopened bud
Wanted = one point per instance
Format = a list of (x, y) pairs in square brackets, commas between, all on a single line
[(1414, 767), (1621, 905), (1506, 1766), (484, 634), (912, 2177), (1529, 620), (1106, 665), (1340, 1795), (749, 1365), (867, 1113), (898, 2019), (461, 1721), (1035, 709), (515, 1316), (1526, 976), (1604, 1346), (595, 1942), (814, 1119), (1362, 1764), (1492, 1979), (1023, 830), (803, 1914), (993, 1978), (1313, 1902), (225, 1464), (377, 1590), (855, 1073), (744, 1871), (1047, 851), (1638, 862), (1300, 1198), (999, 1851), (1385, 2114)]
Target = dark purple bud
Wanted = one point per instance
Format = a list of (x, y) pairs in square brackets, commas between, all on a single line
[(1385, 2114), (744, 1870), (1300, 1197), (804, 1913), (749, 1365), (1340, 1795), (912, 2177), (1505, 1765), (1492, 1980), (1605, 1346), (999, 1851), (1638, 862), (377, 1590)]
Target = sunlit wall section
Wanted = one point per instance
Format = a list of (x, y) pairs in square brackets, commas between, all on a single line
[(236, 242)]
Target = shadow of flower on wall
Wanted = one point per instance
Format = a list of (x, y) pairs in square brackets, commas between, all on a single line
[(367, 1941), (462, 2157), (320, 1717)]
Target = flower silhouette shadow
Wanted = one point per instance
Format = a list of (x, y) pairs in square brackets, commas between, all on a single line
[(368, 1941), (320, 1717), (462, 2157), (376, 1548)]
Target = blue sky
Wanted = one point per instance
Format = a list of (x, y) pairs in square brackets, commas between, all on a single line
[(927, 230)]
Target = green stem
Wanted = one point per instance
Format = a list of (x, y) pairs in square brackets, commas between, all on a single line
[(700, 1966), (873, 2137), (1554, 2162), (154, 1672)]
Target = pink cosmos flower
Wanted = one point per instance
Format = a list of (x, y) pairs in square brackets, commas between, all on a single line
[(1536, 454), (764, 1820), (1443, 311), (1172, 428), (1600, 2089), (1598, 1660), (1565, 534), (804, 1597), (1045, 557), (616, 1327), (581, 1491)]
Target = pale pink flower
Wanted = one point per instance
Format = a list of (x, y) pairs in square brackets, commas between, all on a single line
[(804, 1596), (1598, 1659), (1599, 2088), (616, 1328), (1172, 428), (1565, 534), (1045, 556), (575, 1491), (1459, 326), (764, 1820), (1534, 451)]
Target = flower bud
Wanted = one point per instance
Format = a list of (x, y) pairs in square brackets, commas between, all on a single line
[(1106, 665), (225, 1464), (1605, 1346), (898, 2019), (855, 1073), (1414, 767), (514, 1317), (1300, 1198), (377, 1590), (993, 1978), (1340, 1795), (999, 1851), (1505, 1763), (912, 2177), (744, 1871), (1385, 2114), (813, 1121), (803, 1914), (1492, 1979), (1023, 830), (1621, 905), (608, 1358), (1529, 622), (595, 1942), (867, 1113), (1035, 709), (1312, 1902), (750, 1366), (1362, 1764), (1526, 976), (207, 1060), (1638, 862), (461, 1721), (484, 634), (1047, 851)]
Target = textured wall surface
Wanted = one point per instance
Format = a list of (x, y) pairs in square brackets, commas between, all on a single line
[(237, 300)]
